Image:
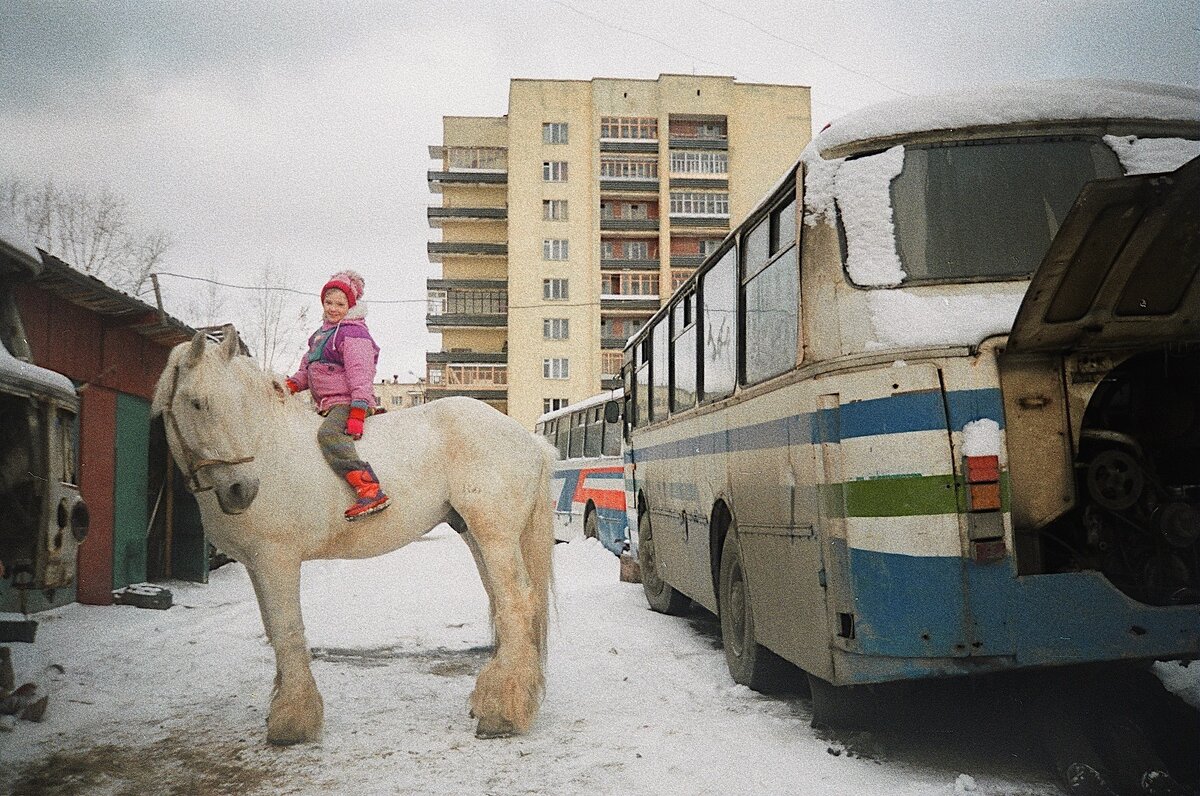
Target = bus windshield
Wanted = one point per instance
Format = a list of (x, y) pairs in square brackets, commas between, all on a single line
[(978, 210)]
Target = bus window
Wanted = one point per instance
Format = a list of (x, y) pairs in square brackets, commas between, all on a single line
[(658, 371), (562, 435), (772, 298), (683, 353), (641, 386), (595, 431), (577, 431), (612, 437), (718, 296)]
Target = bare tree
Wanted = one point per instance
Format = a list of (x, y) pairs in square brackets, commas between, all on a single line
[(275, 323), (90, 231)]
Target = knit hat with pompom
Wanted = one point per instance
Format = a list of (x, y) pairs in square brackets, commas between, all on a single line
[(349, 282)]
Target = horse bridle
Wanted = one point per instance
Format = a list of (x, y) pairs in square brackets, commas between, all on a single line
[(194, 464)]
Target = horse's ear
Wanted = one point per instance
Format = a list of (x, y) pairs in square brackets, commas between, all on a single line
[(229, 341), (195, 351)]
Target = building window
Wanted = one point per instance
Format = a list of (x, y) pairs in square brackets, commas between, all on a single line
[(641, 285), (554, 133), (643, 127), (555, 328), (625, 211), (477, 158), (707, 247), (554, 404), (628, 167), (554, 171), (625, 250), (555, 290), (556, 249), (679, 276), (554, 209), (711, 128), (699, 203), (699, 163), (556, 368)]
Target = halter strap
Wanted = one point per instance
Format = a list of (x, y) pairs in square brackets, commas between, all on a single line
[(192, 464)]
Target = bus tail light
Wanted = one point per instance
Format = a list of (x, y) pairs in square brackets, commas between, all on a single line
[(985, 523)]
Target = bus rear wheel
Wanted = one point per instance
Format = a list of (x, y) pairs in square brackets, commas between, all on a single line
[(750, 663), (661, 595)]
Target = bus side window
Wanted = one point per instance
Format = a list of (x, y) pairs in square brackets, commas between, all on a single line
[(562, 435), (641, 392), (683, 353), (612, 436), (771, 293), (577, 431), (595, 431), (659, 375), (718, 318)]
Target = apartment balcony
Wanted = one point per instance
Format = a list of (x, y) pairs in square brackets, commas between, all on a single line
[(610, 343), (621, 186), (466, 357), (687, 182), (439, 249), (701, 222), (629, 145), (484, 381), (610, 364), (617, 264), (439, 216), (614, 301), (698, 141), (629, 224), (473, 178), (686, 260), (466, 320)]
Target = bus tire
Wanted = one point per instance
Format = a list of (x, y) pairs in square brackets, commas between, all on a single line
[(842, 707), (662, 596), (750, 663), (591, 526)]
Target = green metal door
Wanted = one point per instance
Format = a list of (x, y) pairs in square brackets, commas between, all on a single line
[(129, 499)]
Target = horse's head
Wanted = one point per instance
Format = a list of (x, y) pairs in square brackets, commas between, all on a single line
[(212, 414)]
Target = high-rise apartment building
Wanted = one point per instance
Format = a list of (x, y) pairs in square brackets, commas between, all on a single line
[(566, 223)]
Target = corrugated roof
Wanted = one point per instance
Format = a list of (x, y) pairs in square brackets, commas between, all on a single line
[(84, 290)]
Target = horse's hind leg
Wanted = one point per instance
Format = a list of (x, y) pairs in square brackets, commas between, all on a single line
[(297, 711), (509, 687)]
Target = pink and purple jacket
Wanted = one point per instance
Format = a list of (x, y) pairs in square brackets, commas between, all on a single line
[(339, 367)]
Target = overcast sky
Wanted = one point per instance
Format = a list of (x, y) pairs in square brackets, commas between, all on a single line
[(297, 133)]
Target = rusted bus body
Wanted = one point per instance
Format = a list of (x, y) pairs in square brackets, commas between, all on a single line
[(938, 444)]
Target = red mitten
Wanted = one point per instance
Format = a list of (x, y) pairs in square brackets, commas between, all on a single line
[(354, 423), (292, 386)]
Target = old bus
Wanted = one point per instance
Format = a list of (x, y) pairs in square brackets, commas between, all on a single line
[(43, 519), (587, 488), (934, 408)]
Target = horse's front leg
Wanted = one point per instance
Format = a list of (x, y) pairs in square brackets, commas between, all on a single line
[(297, 711)]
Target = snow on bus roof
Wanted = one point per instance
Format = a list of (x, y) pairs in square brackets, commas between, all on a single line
[(586, 403), (1013, 103)]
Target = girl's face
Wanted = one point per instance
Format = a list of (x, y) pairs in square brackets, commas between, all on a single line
[(335, 305)]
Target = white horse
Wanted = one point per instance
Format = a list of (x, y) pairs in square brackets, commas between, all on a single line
[(268, 499)]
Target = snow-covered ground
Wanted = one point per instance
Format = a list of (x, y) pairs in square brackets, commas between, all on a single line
[(175, 701)]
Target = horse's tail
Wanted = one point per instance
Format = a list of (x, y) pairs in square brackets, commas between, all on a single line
[(537, 546)]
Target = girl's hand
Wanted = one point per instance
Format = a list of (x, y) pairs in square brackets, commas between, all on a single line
[(354, 423)]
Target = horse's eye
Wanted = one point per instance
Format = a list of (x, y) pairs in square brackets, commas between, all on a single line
[(196, 404)]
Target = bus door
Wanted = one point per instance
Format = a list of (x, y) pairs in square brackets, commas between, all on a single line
[(776, 507)]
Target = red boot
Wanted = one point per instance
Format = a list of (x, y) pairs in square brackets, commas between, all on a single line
[(370, 497)]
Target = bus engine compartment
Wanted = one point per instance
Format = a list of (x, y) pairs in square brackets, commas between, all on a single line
[(1136, 513)]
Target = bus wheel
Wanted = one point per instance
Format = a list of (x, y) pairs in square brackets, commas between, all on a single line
[(661, 596), (750, 663), (591, 526)]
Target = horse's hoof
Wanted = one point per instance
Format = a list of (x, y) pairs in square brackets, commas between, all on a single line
[(494, 728)]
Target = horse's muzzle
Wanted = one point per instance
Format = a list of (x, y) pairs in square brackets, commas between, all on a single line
[(236, 496)]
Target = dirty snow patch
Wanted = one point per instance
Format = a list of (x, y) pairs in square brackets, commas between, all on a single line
[(1152, 155), (981, 438), (901, 318)]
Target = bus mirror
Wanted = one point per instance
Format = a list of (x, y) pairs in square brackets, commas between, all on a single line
[(612, 412)]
